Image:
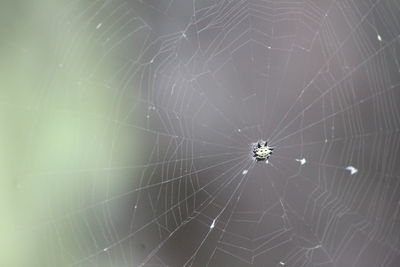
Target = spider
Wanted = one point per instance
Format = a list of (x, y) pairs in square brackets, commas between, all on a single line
[(262, 152)]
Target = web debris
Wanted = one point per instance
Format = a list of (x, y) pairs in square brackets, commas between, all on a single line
[(213, 223), (302, 161), (352, 170)]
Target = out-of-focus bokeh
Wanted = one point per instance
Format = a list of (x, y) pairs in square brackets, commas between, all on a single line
[(58, 103)]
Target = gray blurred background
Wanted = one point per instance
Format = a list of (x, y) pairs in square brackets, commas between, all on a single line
[(128, 126)]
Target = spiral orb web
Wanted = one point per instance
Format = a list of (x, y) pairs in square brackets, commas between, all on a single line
[(197, 82)]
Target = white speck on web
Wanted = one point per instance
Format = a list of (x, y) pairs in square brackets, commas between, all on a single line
[(379, 38), (105, 249), (98, 26), (213, 224), (352, 170), (281, 263), (302, 161), (245, 172)]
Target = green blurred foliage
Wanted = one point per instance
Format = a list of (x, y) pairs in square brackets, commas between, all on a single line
[(55, 117)]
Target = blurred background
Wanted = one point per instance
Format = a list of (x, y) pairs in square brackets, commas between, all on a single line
[(59, 95), (127, 129)]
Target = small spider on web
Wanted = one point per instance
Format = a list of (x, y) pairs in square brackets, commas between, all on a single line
[(262, 152)]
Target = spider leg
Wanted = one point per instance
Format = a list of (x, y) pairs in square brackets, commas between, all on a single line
[(258, 145)]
